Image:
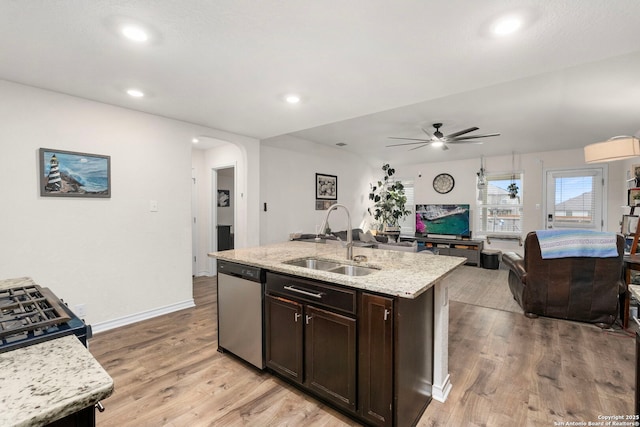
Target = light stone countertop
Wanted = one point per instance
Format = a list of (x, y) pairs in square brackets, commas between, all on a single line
[(402, 274), (19, 281), (44, 382)]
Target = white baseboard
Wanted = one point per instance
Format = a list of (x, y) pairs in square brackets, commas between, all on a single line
[(440, 392), (134, 318)]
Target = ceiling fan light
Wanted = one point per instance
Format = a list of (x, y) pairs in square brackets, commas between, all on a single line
[(437, 144), (616, 148)]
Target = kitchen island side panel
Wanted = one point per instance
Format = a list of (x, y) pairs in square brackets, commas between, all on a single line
[(413, 365)]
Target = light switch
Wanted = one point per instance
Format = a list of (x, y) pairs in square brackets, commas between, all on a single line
[(153, 205)]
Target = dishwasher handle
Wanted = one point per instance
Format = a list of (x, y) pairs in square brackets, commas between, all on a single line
[(304, 292)]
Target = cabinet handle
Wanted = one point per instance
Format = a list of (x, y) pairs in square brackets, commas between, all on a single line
[(296, 316), (387, 312), (307, 318), (303, 292)]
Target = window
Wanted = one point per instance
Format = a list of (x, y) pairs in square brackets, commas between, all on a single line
[(408, 223), (574, 198), (499, 211)]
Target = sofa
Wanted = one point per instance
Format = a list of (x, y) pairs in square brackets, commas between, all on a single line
[(585, 289)]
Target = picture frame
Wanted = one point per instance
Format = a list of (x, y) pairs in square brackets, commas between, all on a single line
[(74, 174), (326, 187), (224, 198), (635, 171), (633, 196), (629, 225)]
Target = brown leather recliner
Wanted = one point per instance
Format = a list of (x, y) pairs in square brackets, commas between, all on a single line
[(575, 288)]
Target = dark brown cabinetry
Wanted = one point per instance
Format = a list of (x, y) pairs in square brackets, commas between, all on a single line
[(283, 323), (308, 340), (375, 379), (369, 355)]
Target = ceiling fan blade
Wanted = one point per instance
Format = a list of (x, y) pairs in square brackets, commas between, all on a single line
[(463, 141), (462, 138), (410, 143), (427, 132), (419, 146), (462, 132), (410, 139)]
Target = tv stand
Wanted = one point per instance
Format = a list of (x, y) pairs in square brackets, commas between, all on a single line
[(469, 249)]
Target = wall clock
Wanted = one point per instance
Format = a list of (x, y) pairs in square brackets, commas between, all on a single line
[(443, 183)]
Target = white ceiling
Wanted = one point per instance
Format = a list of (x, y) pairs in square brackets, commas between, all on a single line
[(366, 69)]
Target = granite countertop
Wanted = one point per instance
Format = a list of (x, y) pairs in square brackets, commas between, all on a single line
[(402, 274), (44, 382), (20, 281)]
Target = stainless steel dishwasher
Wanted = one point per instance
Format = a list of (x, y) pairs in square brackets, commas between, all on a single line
[(240, 308)]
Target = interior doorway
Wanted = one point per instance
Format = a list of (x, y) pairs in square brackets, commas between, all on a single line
[(224, 202)]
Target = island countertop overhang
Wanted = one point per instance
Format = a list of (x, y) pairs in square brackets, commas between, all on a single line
[(401, 274)]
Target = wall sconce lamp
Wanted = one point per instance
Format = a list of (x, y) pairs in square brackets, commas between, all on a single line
[(616, 148)]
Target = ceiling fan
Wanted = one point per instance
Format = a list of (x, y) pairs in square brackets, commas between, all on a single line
[(438, 139)]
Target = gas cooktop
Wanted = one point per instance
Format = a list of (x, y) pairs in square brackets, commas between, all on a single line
[(32, 314)]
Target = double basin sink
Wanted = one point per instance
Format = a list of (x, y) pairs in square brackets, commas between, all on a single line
[(332, 266)]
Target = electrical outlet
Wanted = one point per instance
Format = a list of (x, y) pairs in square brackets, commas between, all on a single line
[(80, 310)]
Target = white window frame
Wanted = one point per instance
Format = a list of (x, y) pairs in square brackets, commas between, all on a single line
[(482, 206)]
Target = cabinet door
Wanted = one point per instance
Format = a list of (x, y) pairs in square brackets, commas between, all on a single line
[(330, 356), (375, 359), (284, 327)]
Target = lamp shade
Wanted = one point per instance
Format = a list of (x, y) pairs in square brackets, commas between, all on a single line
[(617, 148)]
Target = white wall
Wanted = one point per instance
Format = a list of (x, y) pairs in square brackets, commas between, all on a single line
[(288, 187), (113, 255)]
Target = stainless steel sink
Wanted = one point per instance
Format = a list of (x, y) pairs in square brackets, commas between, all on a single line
[(353, 270), (332, 266), (314, 264)]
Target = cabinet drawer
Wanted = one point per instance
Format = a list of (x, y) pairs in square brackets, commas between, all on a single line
[(471, 255), (318, 293)]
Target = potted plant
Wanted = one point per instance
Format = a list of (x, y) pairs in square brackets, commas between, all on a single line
[(636, 199), (513, 190), (388, 201)]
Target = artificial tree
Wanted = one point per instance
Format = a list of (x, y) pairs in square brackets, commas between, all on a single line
[(388, 200)]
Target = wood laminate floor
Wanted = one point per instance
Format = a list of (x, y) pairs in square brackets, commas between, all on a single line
[(506, 370)]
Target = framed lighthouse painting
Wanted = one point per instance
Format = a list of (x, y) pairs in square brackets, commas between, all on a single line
[(72, 174)]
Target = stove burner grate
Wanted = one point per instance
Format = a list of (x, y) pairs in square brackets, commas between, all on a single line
[(28, 309)]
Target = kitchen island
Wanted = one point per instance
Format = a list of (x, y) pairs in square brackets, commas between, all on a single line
[(408, 289)]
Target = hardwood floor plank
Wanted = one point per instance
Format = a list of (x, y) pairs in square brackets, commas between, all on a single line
[(506, 370)]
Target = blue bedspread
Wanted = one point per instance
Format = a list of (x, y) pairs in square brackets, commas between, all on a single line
[(577, 243)]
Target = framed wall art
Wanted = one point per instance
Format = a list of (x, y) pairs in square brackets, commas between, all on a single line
[(224, 198), (326, 187), (73, 174), (629, 225)]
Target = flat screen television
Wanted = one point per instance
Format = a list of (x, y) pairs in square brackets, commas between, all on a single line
[(444, 220)]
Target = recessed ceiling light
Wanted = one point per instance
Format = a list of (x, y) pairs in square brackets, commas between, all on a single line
[(292, 98), (195, 140), (135, 93), (135, 34), (507, 25)]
